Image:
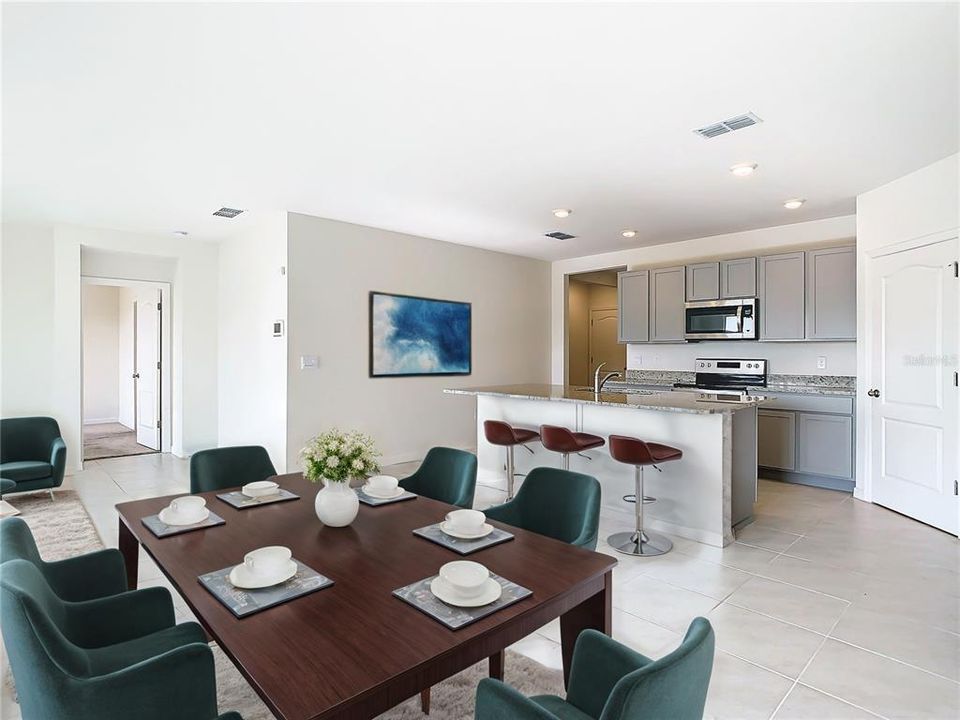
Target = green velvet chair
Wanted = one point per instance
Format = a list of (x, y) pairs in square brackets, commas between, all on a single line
[(446, 475), (84, 577), (557, 503), (229, 467), (32, 453), (115, 657), (609, 681)]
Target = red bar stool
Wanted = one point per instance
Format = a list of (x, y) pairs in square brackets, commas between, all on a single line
[(638, 453), (559, 439), (505, 435)]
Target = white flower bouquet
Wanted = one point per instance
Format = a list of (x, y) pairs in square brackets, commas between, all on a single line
[(338, 456)]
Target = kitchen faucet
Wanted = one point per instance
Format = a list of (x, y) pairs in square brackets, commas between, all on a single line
[(597, 382)]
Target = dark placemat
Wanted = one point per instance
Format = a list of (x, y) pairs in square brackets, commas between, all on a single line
[(246, 602), (240, 501), (373, 502), (433, 533), (162, 530), (419, 595)]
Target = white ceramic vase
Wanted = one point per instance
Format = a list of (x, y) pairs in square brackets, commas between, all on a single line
[(336, 504)]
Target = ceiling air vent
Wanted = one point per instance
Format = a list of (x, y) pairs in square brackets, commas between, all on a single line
[(228, 212), (729, 125), (560, 235)]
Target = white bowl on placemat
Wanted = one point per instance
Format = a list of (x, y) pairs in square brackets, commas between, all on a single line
[(261, 488), (466, 584), (447, 530), (185, 510), (381, 495), (443, 591), (264, 567)]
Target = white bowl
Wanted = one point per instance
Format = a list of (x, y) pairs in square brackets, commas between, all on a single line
[(261, 488), (267, 562), (466, 578), (383, 484), (466, 522), (185, 510)]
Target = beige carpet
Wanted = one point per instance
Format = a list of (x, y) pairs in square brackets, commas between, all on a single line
[(62, 528), (107, 440)]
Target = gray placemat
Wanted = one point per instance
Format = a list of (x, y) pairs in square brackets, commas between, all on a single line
[(246, 602), (433, 533), (419, 595), (162, 530), (373, 502), (240, 501)]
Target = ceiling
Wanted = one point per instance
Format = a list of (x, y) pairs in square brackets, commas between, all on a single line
[(469, 123)]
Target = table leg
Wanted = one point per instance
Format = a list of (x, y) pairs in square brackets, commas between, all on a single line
[(496, 665), (595, 612), (425, 701), (130, 549)]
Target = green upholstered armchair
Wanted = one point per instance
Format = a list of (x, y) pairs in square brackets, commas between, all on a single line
[(84, 577), (228, 467), (608, 681), (114, 657), (447, 475), (32, 453), (557, 503)]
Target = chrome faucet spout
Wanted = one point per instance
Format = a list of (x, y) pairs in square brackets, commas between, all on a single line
[(598, 383)]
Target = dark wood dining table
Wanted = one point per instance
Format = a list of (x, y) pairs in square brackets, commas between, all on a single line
[(354, 650)]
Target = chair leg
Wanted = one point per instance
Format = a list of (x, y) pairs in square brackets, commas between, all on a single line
[(510, 472), (639, 542), (425, 701), (565, 463), (51, 493)]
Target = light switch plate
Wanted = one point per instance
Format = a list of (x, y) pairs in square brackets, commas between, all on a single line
[(821, 362), (309, 362)]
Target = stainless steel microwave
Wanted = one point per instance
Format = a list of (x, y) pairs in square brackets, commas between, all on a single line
[(721, 319)]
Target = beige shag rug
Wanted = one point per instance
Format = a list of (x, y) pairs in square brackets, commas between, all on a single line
[(62, 529)]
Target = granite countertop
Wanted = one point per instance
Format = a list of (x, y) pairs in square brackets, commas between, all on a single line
[(666, 401), (830, 385)]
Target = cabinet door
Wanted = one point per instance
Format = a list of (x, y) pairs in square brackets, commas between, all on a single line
[(738, 278), (832, 294), (781, 297), (776, 439), (633, 303), (666, 304), (703, 281), (825, 444)]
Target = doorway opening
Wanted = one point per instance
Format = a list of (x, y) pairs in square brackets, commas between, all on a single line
[(124, 376), (592, 326)]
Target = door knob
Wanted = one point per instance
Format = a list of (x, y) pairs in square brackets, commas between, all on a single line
[(873, 393)]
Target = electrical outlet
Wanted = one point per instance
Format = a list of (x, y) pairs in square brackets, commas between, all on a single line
[(821, 362), (309, 362)]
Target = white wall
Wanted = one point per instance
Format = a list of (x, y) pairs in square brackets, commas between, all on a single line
[(332, 268), (101, 354), (789, 358), (252, 363)]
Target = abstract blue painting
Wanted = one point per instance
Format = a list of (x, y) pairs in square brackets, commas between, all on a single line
[(418, 336)]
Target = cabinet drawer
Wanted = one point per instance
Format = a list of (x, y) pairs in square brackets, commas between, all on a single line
[(776, 439), (825, 445), (807, 403)]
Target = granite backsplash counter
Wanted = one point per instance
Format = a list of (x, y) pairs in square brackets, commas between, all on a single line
[(836, 385)]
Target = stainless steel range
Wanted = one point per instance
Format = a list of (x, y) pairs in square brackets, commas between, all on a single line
[(725, 379)]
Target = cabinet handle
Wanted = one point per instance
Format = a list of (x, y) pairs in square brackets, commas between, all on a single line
[(873, 393)]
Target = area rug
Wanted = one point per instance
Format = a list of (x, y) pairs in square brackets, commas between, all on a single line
[(62, 529), (108, 440)]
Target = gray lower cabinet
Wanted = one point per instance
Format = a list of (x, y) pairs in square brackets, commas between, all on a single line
[(633, 304), (776, 439), (703, 281), (832, 294), (738, 278), (825, 445), (781, 293), (667, 304)]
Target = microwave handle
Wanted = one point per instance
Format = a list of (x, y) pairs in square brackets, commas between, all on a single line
[(739, 318)]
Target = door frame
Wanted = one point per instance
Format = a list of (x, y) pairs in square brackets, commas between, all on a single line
[(866, 335), (166, 356)]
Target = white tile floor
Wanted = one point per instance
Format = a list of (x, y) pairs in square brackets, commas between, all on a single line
[(825, 607)]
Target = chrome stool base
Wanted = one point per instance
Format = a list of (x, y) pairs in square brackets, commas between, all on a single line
[(640, 543)]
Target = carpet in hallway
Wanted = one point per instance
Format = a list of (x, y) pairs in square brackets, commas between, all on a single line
[(108, 440)]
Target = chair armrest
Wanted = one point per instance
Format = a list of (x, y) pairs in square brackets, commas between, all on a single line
[(180, 684), (86, 577), (58, 459), (116, 619), (599, 662), (508, 513), (499, 701)]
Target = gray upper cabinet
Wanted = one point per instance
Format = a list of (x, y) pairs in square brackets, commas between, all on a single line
[(825, 445), (667, 304), (832, 294), (781, 286), (633, 303), (738, 278), (703, 281)]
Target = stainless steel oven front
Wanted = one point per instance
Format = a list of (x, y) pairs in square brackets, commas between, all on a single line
[(734, 319)]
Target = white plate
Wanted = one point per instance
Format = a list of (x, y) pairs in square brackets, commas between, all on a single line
[(487, 529), (261, 488), (239, 577), (442, 590), (372, 493), (167, 517)]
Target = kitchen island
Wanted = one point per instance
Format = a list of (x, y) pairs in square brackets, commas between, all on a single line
[(702, 496)]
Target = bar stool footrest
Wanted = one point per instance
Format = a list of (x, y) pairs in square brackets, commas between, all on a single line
[(633, 499)]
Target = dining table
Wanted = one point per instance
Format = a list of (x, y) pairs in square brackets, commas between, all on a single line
[(354, 649)]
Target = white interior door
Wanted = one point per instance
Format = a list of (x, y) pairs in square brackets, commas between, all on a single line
[(912, 393), (147, 370), (604, 347)]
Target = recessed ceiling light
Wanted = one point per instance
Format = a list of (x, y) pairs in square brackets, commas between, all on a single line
[(181, 232), (743, 169), (629, 233), (794, 203), (562, 212)]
